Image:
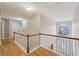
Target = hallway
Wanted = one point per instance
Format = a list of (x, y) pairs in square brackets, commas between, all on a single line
[(34, 25), (11, 49)]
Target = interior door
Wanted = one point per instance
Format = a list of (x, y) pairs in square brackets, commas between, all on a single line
[(3, 29), (0, 38), (0, 34), (16, 27)]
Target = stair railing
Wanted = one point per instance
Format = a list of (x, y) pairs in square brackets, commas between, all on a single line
[(28, 35)]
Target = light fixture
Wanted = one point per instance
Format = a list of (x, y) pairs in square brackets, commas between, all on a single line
[(28, 8)]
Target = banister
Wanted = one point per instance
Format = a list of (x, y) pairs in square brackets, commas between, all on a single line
[(60, 36), (28, 36), (33, 35), (20, 34), (47, 35), (39, 34)]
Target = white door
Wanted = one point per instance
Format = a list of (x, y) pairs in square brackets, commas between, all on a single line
[(0, 37), (3, 29), (0, 33), (16, 27)]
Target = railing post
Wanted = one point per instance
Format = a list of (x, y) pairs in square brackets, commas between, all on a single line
[(39, 39), (27, 43), (13, 35)]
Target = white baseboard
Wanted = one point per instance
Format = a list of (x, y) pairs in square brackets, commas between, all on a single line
[(22, 48)]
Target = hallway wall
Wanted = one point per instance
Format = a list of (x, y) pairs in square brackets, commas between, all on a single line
[(75, 29), (34, 24), (47, 26), (34, 28)]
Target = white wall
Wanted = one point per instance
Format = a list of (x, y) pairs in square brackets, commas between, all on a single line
[(47, 26), (76, 22), (76, 35), (34, 28), (75, 31), (34, 24)]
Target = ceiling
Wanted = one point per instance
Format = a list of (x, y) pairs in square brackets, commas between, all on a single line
[(57, 11)]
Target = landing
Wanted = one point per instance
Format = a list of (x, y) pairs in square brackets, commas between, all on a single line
[(42, 52), (11, 49)]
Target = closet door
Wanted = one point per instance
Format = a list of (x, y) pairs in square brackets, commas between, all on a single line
[(16, 27), (0, 37), (3, 29)]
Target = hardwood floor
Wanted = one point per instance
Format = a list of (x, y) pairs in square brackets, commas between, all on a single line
[(42, 52), (11, 49), (0, 51)]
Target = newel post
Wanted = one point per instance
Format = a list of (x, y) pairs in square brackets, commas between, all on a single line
[(13, 35), (27, 43)]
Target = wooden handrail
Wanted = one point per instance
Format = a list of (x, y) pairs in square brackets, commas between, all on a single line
[(27, 36), (33, 35), (48, 35), (59, 36), (20, 34)]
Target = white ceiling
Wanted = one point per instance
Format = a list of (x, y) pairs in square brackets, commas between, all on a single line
[(57, 11)]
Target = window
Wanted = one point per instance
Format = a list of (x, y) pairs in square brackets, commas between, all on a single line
[(63, 30)]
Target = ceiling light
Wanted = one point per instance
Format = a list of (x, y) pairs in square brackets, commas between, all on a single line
[(29, 8)]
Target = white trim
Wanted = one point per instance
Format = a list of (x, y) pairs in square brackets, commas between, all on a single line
[(22, 48)]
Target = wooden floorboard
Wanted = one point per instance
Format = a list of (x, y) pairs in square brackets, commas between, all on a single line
[(11, 49), (42, 52)]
